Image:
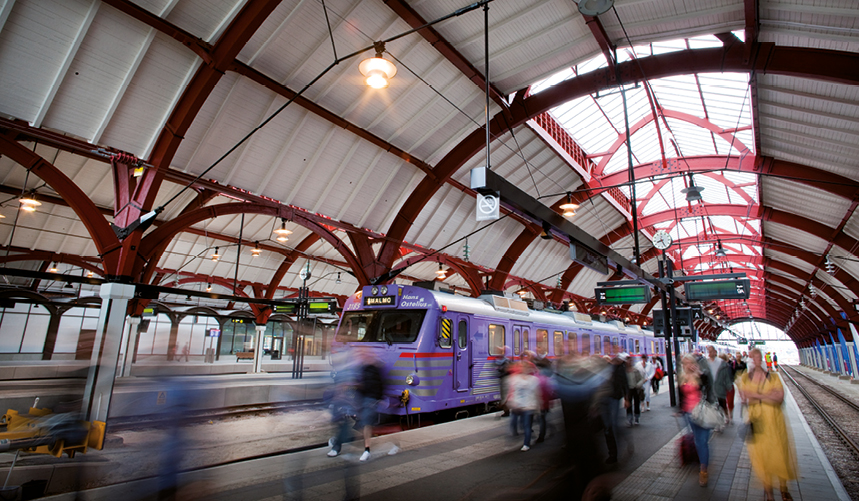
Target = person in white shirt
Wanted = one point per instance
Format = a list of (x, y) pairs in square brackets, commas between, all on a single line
[(649, 372), (523, 399)]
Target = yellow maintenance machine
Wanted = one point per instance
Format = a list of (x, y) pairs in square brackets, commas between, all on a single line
[(42, 432)]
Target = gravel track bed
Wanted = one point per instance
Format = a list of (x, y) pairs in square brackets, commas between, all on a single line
[(844, 459)]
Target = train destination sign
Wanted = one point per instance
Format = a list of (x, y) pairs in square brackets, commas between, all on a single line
[(379, 300), (717, 289), (637, 294)]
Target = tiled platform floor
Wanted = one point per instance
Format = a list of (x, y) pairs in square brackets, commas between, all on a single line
[(731, 477)]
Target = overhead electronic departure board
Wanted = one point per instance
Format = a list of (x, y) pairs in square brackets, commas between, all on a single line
[(717, 289), (637, 294)]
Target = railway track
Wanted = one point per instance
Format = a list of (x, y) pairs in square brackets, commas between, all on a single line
[(161, 420), (840, 432)]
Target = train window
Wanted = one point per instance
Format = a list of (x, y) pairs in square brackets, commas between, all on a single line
[(542, 342), (444, 333), (559, 343), (497, 339), (516, 341), (462, 334), (525, 340), (637, 347), (354, 326), (652, 347), (586, 344), (400, 326), (597, 346), (572, 342)]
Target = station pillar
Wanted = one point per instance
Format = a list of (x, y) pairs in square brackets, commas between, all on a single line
[(839, 358), (852, 356), (258, 347), (130, 344), (105, 350)]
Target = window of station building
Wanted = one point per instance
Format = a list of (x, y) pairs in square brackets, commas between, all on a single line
[(542, 342), (154, 336), (517, 335), (597, 344), (74, 322), (586, 344), (497, 339), (558, 343), (24, 328), (237, 335), (193, 329), (462, 334)]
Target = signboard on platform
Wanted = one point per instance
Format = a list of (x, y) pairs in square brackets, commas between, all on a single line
[(637, 294), (717, 289)]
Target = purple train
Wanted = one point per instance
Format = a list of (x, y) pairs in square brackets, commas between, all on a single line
[(439, 349)]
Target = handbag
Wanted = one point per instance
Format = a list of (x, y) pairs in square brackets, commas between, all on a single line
[(707, 415), (746, 430), (659, 374)]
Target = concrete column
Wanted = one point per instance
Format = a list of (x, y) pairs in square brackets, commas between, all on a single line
[(839, 357), (105, 351), (130, 345), (258, 347), (852, 356)]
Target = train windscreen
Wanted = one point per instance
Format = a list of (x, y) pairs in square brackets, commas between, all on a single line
[(400, 326)]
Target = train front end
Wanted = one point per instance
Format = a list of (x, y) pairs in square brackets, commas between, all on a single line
[(394, 324)]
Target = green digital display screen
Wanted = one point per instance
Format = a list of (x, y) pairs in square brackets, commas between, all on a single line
[(717, 289), (289, 309), (637, 294), (319, 307)]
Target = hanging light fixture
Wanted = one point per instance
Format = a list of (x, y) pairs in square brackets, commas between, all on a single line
[(522, 293), (216, 255), (29, 202), (720, 251), (338, 281), (208, 287), (53, 268), (440, 273), (569, 208), (89, 274), (255, 252), (693, 193), (282, 232), (594, 7), (377, 70)]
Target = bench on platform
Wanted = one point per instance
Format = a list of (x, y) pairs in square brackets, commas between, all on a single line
[(244, 355)]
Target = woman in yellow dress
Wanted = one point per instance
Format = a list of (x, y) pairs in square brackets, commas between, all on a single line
[(770, 446)]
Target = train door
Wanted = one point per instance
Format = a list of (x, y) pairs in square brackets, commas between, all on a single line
[(462, 355), (520, 339)]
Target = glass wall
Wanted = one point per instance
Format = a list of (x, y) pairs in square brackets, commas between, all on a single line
[(193, 329), (23, 328), (154, 335), (72, 323), (236, 332)]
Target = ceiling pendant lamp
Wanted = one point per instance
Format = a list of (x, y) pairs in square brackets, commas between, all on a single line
[(720, 251), (377, 70), (693, 193), (440, 273), (216, 255), (282, 232), (594, 7), (569, 208), (53, 268), (29, 202), (255, 252), (208, 287)]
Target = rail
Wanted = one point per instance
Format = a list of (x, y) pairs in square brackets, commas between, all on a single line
[(820, 410)]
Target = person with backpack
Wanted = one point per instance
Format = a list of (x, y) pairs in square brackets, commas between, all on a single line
[(658, 374), (695, 385)]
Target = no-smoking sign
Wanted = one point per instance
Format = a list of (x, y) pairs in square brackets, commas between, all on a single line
[(487, 207)]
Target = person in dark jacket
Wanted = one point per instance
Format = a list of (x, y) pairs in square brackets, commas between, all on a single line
[(616, 391), (370, 390)]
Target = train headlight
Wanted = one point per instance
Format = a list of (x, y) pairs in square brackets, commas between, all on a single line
[(412, 380), (384, 289), (374, 290)]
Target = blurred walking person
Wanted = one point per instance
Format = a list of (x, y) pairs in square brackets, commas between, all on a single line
[(649, 372), (770, 446), (616, 390), (694, 386), (723, 378), (523, 398), (635, 380)]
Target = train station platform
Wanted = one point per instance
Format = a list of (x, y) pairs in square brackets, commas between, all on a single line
[(476, 459)]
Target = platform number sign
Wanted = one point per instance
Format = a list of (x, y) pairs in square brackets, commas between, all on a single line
[(488, 207)]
